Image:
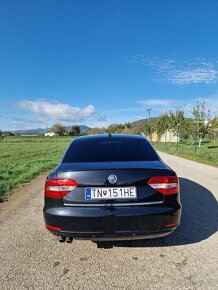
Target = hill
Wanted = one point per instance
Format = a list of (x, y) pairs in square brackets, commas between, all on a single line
[(143, 121)]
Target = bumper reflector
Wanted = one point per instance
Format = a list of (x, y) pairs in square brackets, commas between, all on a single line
[(52, 228), (172, 225)]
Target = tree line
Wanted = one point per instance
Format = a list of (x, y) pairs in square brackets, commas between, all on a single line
[(193, 129), (61, 130)]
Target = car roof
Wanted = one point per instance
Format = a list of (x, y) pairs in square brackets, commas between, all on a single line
[(111, 136)]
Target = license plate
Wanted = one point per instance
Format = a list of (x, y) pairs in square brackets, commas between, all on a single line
[(111, 193)]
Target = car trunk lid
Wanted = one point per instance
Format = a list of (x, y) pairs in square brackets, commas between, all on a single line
[(129, 174)]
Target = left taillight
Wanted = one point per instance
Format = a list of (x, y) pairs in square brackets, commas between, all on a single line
[(59, 187), (166, 185)]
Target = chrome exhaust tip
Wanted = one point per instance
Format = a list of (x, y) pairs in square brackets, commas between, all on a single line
[(69, 239), (62, 239)]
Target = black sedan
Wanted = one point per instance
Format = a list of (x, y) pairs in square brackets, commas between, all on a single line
[(110, 187)]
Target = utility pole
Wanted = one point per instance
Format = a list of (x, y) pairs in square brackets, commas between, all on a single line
[(149, 115)]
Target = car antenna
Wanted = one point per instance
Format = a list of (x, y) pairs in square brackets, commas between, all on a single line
[(109, 135)]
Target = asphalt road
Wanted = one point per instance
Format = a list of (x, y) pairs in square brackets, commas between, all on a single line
[(30, 258)]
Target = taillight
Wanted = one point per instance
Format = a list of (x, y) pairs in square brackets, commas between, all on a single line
[(165, 184), (59, 187)]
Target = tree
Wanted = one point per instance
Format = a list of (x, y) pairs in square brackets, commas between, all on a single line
[(214, 129), (127, 125), (187, 129), (137, 129), (115, 128), (177, 123), (74, 131), (214, 123), (94, 131), (7, 133), (58, 129), (162, 125), (201, 120)]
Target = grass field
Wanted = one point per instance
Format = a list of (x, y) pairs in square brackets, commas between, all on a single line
[(22, 158), (204, 154)]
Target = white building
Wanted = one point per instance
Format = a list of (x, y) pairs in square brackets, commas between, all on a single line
[(50, 134), (168, 136)]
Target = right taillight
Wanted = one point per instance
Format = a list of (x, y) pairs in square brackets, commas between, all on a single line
[(166, 185), (59, 187)]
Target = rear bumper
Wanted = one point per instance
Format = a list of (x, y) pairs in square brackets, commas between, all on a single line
[(114, 236), (113, 223)]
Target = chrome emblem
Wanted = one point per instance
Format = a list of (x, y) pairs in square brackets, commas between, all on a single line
[(112, 179)]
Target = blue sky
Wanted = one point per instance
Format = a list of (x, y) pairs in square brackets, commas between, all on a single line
[(97, 62)]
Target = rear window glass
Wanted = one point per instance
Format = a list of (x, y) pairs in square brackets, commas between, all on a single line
[(106, 150)]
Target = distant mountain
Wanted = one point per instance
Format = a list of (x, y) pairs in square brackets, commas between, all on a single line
[(39, 131), (30, 131), (82, 127)]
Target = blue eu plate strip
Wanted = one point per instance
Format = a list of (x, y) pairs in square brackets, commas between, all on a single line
[(88, 193)]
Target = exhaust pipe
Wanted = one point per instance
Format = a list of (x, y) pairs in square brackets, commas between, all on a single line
[(62, 239), (69, 239)]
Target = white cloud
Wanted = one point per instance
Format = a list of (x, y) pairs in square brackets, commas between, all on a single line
[(57, 111), (192, 76), (48, 112), (187, 104), (102, 119), (17, 123), (211, 102), (155, 102), (123, 110), (188, 108), (24, 125), (180, 72)]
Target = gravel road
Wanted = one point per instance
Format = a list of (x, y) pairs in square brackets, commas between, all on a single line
[(30, 258)]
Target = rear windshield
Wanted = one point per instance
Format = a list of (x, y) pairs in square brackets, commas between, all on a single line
[(98, 150)]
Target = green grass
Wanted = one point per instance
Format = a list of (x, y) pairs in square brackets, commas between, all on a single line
[(203, 154), (22, 158)]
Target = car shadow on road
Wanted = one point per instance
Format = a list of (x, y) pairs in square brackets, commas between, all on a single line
[(199, 219)]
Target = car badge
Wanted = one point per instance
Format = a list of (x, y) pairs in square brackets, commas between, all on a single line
[(112, 178)]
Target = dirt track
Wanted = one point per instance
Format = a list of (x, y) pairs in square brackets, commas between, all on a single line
[(30, 258)]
